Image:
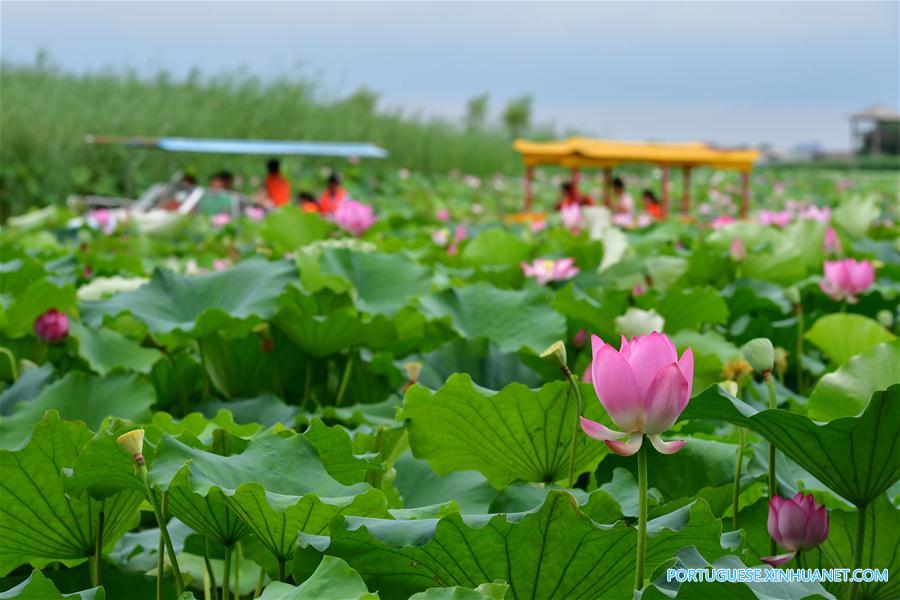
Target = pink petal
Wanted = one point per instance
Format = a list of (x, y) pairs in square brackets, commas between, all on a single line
[(686, 365), (665, 399), (777, 561), (596, 344), (791, 526), (599, 431), (664, 447), (772, 523), (816, 528), (649, 354), (625, 348), (616, 388), (628, 448)]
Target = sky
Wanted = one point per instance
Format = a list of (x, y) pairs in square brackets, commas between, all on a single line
[(783, 73)]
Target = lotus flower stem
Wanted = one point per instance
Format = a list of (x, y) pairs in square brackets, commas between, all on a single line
[(736, 494), (280, 570), (579, 404), (13, 366), (226, 573), (345, 379), (164, 535), (259, 583), (98, 548), (642, 518), (209, 571), (773, 481), (160, 564), (237, 571), (858, 547), (799, 362)]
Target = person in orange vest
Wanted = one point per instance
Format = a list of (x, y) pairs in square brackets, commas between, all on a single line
[(308, 202), (278, 189), (652, 206), (571, 196), (333, 194)]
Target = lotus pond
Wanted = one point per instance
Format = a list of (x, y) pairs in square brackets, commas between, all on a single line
[(317, 409)]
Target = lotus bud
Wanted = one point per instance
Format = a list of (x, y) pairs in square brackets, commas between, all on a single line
[(793, 295), (556, 355), (133, 442), (886, 318), (413, 369), (797, 524), (760, 354), (730, 387), (636, 322)]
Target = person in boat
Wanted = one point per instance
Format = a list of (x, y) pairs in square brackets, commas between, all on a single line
[(278, 190), (308, 202), (218, 197), (652, 205), (622, 202), (570, 196), (333, 195)]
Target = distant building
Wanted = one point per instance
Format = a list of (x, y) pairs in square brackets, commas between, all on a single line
[(875, 130)]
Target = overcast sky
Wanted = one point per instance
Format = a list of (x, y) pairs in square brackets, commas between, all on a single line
[(731, 72)]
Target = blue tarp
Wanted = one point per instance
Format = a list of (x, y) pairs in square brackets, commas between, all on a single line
[(267, 147)]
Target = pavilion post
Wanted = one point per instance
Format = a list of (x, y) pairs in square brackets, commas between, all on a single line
[(686, 191), (575, 177), (665, 190), (529, 181), (745, 193), (607, 187)]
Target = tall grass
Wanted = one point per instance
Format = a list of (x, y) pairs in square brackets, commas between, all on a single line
[(45, 114)]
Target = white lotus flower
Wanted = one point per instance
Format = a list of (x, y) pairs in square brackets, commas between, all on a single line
[(637, 322)]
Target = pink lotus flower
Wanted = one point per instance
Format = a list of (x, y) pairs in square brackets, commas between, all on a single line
[(52, 326), (354, 216), (737, 250), (571, 217), (822, 214), (779, 218), (831, 244), (796, 524), (844, 184), (102, 219), (722, 220), (623, 219), (545, 270), (846, 279), (644, 387), (638, 290), (580, 338), (441, 237), (460, 233), (452, 249), (538, 226), (221, 220), (220, 264), (255, 213), (443, 215)]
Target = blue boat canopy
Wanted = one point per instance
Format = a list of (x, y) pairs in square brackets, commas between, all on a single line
[(267, 147)]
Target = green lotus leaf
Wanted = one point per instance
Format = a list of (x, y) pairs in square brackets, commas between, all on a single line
[(685, 309), (856, 457), (380, 283), (840, 335), (553, 552), (38, 587), (106, 350), (512, 434), (332, 579), (845, 392), (419, 486), (41, 520), (84, 397), (199, 304), (486, 591), (289, 228), (510, 319), (496, 247)]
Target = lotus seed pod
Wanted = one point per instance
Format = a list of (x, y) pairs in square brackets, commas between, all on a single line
[(133, 442), (793, 295), (556, 355), (886, 318), (760, 354)]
